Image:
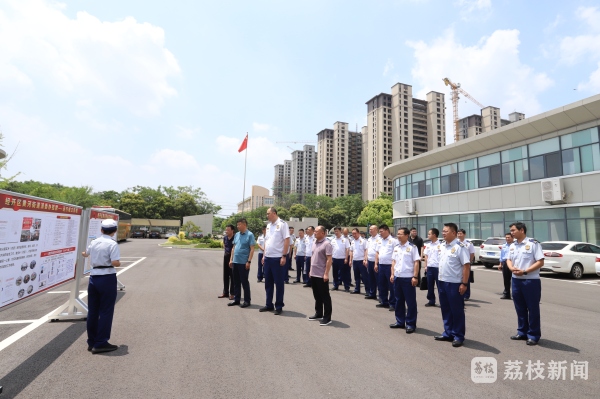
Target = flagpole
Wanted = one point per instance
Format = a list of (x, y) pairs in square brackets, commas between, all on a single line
[(245, 162)]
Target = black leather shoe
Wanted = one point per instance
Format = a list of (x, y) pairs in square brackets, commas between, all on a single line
[(233, 303), (381, 305), (105, 348), (396, 325), (286, 282), (334, 289), (265, 309), (277, 312), (519, 338), (90, 348), (315, 317), (456, 343), (370, 297), (442, 338), (295, 282), (307, 285), (531, 342), (392, 309), (428, 305), (245, 305), (410, 330), (351, 285), (354, 292), (505, 297), (347, 290)]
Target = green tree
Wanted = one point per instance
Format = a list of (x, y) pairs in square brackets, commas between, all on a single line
[(312, 201), (287, 200), (133, 204), (299, 211), (3, 162), (352, 205), (377, 212), (190, 227)]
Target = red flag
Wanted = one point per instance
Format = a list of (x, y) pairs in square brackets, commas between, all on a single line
[(244, 144)]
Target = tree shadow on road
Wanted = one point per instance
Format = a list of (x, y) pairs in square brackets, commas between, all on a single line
[(547, 343)]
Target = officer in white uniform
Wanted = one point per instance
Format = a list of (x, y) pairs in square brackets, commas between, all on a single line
[(471, 248), (383, 265), (341, 267), (358, 262), (432, 263), (405, 277), (102, 288), (525, 258), (300, 255), (452, 284), (309, 240), (277, 242), (370, 257), (290, 255), (261, 248)]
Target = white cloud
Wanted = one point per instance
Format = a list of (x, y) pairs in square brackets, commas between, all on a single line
[(490, 71), (263, 154), (554, 24), (474, 9), (577, 49), (123, 64), (389, 65), (261, 127), (186, 133)]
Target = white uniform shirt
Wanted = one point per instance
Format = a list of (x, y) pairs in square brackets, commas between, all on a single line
[(453, 256), (292, 242), (432, 251), (277, 232), (405, 257), (358, 249), (372, 246), (470, 247), (385, 248), (300, 245), (524, 255), (261, 241), (339, 247), (309, 241), (102, 251)]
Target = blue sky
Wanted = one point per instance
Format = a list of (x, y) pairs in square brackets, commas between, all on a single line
[(115, 94)]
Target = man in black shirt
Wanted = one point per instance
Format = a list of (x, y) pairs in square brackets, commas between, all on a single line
[(418, 242), (227, 272)]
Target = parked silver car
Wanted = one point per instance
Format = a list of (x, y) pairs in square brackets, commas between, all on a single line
[(489, 251)]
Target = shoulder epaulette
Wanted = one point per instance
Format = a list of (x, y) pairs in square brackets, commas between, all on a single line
[(534, 240), (461, 244)]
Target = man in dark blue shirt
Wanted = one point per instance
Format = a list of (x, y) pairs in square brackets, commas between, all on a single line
[(227, 273)]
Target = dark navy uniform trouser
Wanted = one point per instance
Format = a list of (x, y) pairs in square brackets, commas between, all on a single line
[(373, 283), (240, 279), (102, 296), (453, 310), (299, 267), (432, 280), (406, 302), (527, 294), (260, 274), (361, 273), (386, 287), (338, 273), (306, 274), (274, 278)]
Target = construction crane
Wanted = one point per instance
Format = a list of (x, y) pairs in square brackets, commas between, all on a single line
[(295, 142), (456, 89)]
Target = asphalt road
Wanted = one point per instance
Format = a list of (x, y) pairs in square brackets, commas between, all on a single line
[(178, 340)]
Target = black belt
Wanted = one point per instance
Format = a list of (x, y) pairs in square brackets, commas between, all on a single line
[(102, 267)]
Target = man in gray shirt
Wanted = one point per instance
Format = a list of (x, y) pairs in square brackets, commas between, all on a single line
[(319, 276)]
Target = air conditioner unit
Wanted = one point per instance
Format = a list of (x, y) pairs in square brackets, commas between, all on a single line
[(409, 207), (552, 191)]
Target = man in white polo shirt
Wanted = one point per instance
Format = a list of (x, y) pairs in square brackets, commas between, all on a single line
[(432, 264), (370, 256), (341, 268), (383, 265), (357, 260), (277, 242), (309, 241)]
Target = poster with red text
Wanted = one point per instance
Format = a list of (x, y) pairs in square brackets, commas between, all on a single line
[(38, 245), (97, 215)]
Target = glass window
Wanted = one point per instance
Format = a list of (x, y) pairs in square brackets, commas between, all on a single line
[(435, 186), (517, 216), (590, 158), (472, 179), (514, 154), (521, 171), (445, 184), (415, 190), (418, 176), (469, 164), (508, 173), (408, 181), (428, 190), (576, 230), (491, 159), (593, 231), (549, 214), (486, 230), (396, 182), (492, 217), (570, 160), (543, 147), (432, 173), (448, 169), (463, 183), (496, 175), (469, 218), (553, 164), (403, 180), (454, 183), (583, 212), (577, 139), (536, 166), (484, 177)]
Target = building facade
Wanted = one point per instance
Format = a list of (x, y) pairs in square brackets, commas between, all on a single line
[(282, 179), (543, 171), (304, 172), (489, 120), (258, 197)]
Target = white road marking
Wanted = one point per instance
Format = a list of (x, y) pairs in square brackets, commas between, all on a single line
[(545, 277), (17, 322), (62, 292), (44, 319)]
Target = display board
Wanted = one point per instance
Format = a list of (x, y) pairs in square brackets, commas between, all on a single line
[(95, 231), (38, 245)]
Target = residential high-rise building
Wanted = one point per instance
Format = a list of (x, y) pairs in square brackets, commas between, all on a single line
[(282, 179), (304, 172), (489, 120), (339, 165), (399, 126), (258, 197)]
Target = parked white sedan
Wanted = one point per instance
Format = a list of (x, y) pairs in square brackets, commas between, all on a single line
[(572, 257)]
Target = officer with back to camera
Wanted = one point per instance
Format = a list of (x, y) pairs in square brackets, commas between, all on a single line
[(525, 258), (102, 288)]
